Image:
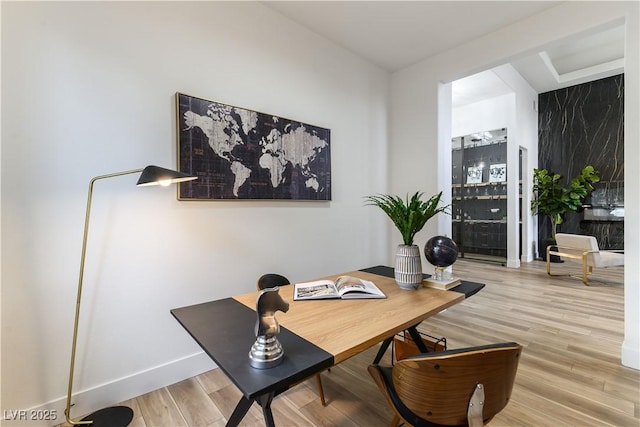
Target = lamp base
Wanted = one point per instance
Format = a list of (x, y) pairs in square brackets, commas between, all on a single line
[(114, 416)]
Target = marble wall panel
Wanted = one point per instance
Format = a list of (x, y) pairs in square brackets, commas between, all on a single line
[(578, 126)]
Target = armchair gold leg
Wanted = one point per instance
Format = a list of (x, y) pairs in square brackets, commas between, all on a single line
[(587, 270), (549, 261)]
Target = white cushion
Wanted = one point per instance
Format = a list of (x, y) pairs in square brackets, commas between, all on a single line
[(580, 244), (606, 259)]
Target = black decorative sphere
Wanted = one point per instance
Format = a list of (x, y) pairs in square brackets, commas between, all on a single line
[(441, 251)]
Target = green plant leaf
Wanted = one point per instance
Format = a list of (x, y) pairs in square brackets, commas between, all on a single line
[(552, 199), (408, 215)]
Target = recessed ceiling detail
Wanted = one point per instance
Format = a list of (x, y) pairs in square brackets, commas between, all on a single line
[(589, 58)]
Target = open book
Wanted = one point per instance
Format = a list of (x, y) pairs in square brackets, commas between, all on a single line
[(345, 287)]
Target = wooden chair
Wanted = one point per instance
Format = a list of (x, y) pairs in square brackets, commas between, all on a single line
[(584, 249), (450, 388), (271, 280)]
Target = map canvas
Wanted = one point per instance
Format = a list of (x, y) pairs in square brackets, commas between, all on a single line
[(243, 154)]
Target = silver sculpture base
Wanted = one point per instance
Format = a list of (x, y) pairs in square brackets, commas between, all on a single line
[(266, 352)]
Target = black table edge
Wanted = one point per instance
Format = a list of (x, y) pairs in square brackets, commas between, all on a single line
[(466, 287)]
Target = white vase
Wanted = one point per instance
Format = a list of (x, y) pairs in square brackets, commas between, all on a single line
[(408, 267)]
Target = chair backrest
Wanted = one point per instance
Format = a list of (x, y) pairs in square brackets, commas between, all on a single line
[(578, 241), (271, 280), (577, 244), (437, 387)]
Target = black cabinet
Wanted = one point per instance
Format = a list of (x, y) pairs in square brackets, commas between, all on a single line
[(479, 195), (603, 216)]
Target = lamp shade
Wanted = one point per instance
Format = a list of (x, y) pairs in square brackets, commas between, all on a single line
[(155, 175)]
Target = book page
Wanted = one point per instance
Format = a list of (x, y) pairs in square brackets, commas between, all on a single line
[(315, 290), (348, 283), (354, 287)]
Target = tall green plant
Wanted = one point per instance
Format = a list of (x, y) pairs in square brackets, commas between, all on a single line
[(409, 215), (551, 198)]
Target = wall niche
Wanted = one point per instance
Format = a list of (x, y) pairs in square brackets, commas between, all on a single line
[(479, 195)]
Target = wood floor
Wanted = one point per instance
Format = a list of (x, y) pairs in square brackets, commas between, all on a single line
[(569, 374)]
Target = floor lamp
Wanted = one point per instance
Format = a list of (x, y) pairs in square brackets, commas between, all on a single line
[(118, 415)]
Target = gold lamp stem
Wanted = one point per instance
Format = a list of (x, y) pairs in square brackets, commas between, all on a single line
[(67, 411), (151, 175)]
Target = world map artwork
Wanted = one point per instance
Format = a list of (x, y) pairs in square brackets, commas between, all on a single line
[(242, 154)]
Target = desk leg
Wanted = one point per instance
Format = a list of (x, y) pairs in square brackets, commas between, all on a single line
[(415, 336), (265, 402), (383, 347), (243, 406), (241, 410)]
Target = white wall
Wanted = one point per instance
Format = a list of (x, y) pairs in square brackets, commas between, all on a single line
[(488, 114), (524, 122), (414, 132), (631, 344), (87, 89)]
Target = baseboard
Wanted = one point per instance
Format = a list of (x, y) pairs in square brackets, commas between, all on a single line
[(630, 356), (513, 263), (527, 258), (119, 390)]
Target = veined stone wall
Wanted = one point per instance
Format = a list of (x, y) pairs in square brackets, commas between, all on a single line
[(584, 125)]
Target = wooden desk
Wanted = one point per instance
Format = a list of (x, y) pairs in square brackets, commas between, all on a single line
[(314, 334), (344, 328)]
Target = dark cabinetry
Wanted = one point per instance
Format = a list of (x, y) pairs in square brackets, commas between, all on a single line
[(479, 195), (603, 217)]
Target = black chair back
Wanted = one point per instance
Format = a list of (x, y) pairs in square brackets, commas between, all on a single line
[(271, 280)]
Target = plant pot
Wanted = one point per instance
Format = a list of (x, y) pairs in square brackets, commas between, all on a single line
[(552, 258), (408, 267)]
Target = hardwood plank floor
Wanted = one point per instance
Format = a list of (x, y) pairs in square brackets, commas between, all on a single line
[(569, 374)]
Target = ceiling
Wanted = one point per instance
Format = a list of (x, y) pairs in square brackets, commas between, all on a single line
[(397, 34)]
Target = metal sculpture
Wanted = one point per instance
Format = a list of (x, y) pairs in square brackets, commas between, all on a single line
[(267, 351)]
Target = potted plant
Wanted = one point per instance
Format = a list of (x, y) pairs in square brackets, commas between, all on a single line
[(553, 199), (409, 217)]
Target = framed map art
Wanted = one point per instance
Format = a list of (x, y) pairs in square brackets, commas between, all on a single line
[(238, 153)]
